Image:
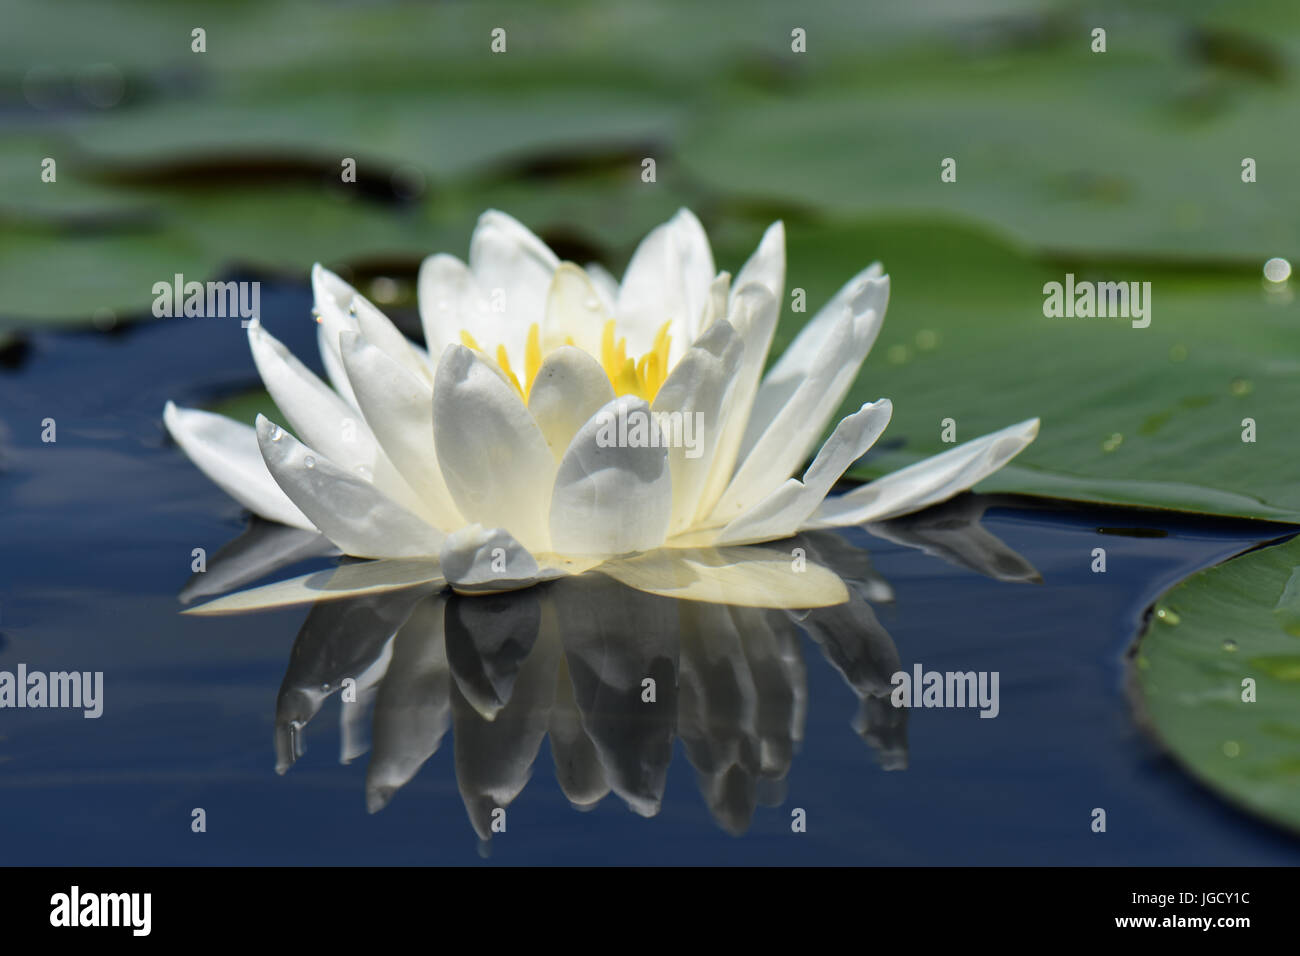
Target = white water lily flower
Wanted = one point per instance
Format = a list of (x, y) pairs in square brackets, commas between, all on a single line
[(489, 450)]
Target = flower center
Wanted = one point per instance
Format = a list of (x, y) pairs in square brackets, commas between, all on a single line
[(640, 377)]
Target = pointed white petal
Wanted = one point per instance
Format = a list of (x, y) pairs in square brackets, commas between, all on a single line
[(226, 451), (784, 511), (345, 581), (606, 285), (380, 332), (570, 388), (696, 395), (334, 371), (787, 441), (668, 279), (767, 264), (574, 310), (613, 490), (449, 301), (868, 290), (929, 481), (748, 577), (493, 457), (350, 511), (399, 408), (514, 268), (753, 315), (717, 303)]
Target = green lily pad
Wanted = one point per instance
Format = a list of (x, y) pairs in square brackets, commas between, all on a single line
[(1145, 416), (1210, 638)]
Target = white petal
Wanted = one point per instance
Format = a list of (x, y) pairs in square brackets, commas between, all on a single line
[(668, 279), (753, 314), (350, 511), (697, 393), (718, 302), (324, 420), (494, 458), (613, 494), (261, 550), (748, 577), (767, 264), (784, 511), (334, 371), (574, 310), (226, 451), (606, 285), (929, 481), (787, 441), (449, 301), (868, 290), (399, 408), (570, 387), (480, 560), (513, 266), (380, 332), (332, 298), (345, 581)]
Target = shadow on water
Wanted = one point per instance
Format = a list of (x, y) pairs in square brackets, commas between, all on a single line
[(760, 718)]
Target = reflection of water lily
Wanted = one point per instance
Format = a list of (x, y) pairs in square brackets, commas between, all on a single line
[(489, 451), (570, 662)]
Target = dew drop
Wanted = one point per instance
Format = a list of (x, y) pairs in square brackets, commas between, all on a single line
[(276, 433), (309, 461), (443, 305), (591, 305), (1230, 645), (1113, 442), (1277, 270), (364, 472), (1168, 616)]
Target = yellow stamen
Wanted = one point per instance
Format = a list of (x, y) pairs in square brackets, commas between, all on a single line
[(532, 355), (467, 340), (503, 361)]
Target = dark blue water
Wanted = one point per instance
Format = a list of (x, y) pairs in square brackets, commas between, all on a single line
[(758, 713)]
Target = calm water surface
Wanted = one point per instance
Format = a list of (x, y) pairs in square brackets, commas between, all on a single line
[(532, 701)]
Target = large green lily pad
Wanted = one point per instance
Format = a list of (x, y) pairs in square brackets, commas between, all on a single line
[(1211, 634)]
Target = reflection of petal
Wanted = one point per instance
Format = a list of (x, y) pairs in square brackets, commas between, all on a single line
[(743, 702), (717, 710), (863, 652), (614, 639), (952, 532), (264, 547), (577, 765), (494, 758), (850, 562), (354, 725), (748, 577), (339, 639), (345, 581), (413, 709), (488, 638)]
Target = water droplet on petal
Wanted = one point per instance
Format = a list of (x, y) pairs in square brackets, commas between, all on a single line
[(309, 461), (591, 305), (364, 472), (443, 305), (276, 433)]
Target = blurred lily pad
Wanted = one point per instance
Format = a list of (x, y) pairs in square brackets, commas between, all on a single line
[(1218, 671)]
